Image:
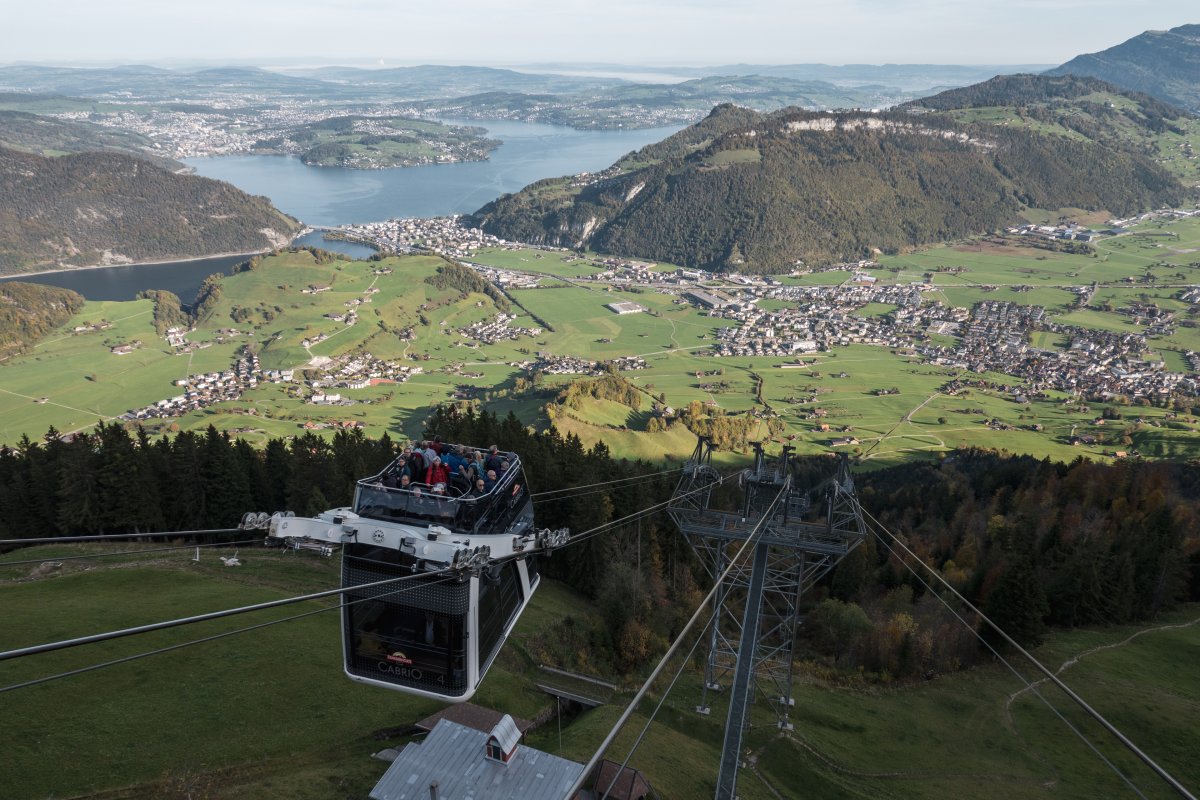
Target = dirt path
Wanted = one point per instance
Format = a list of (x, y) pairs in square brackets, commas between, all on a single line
[(907, 418), (60, 405), (1073, 660)]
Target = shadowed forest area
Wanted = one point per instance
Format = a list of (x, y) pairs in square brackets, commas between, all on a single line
[(1032, 543)]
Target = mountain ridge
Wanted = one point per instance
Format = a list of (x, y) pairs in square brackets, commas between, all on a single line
[(1162, 64), (108, 207), (759, 192)]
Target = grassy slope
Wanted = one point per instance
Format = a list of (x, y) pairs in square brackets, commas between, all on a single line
[(251, 713), (269, 715)]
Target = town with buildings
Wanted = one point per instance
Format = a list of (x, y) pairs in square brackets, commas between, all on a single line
[(204, 390), (993, 336), (441, 235), (223, 126), (495, 330)]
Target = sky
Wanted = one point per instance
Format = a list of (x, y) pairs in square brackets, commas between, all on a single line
[(509, 32)]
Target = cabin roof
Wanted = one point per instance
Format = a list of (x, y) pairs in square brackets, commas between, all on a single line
[(454, 756), (506, 734)]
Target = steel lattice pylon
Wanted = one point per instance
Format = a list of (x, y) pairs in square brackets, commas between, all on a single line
[(798, 542)]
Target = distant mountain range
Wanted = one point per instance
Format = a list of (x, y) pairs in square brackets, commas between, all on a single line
[(905, 77), (1163, 64), (752, 192), (344, 83), (92, 208), (439, 81)]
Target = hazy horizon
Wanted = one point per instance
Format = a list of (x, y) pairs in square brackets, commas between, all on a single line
[(530, 33)]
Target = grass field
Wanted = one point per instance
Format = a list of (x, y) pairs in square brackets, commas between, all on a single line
[(268, 714), (82, 381)]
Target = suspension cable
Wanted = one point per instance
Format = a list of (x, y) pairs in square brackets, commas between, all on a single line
[(214, 637), (657, 708), (1031, 686), (605, 483), (645, 512), (127, 552), (543, 500), (117, 634), (174, 623), (1096, 715), (110, 536), (577, 785)]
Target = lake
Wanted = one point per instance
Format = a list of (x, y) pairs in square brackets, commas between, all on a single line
[(331, 196), (123, 283)]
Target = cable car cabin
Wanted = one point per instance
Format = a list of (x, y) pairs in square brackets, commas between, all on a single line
[(467, 560)]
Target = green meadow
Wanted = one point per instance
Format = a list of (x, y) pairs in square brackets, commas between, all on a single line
[(269, 713), (70, 381)]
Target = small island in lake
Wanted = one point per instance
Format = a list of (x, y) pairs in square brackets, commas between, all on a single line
[(362, 142)]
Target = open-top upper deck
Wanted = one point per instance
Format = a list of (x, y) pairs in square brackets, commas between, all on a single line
[(503, 507)]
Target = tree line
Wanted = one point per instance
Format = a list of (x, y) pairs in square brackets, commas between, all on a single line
[(1032, 543), (28, 311)]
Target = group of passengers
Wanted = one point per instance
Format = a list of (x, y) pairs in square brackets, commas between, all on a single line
[(446, 469)]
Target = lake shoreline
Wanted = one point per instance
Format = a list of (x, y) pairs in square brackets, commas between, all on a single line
[(67, 270)]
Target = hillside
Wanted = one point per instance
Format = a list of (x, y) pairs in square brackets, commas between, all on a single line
[(93, 208), (47, 136), (1080, 108), (28, 311), (756, 192), (1163, 64)]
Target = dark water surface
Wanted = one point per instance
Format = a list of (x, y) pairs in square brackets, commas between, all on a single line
[(123, 283)]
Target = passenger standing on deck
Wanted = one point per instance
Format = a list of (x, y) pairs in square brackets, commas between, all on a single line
[(437, 473), (493, 459), (454, 460), (476, 467), (416, 464), (403, 467)]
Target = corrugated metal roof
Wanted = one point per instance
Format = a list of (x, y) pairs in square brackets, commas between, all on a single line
[(453, 755), (506, 733)]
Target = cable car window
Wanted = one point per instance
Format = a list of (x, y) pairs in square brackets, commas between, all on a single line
[(414, 636), (498, 603)]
